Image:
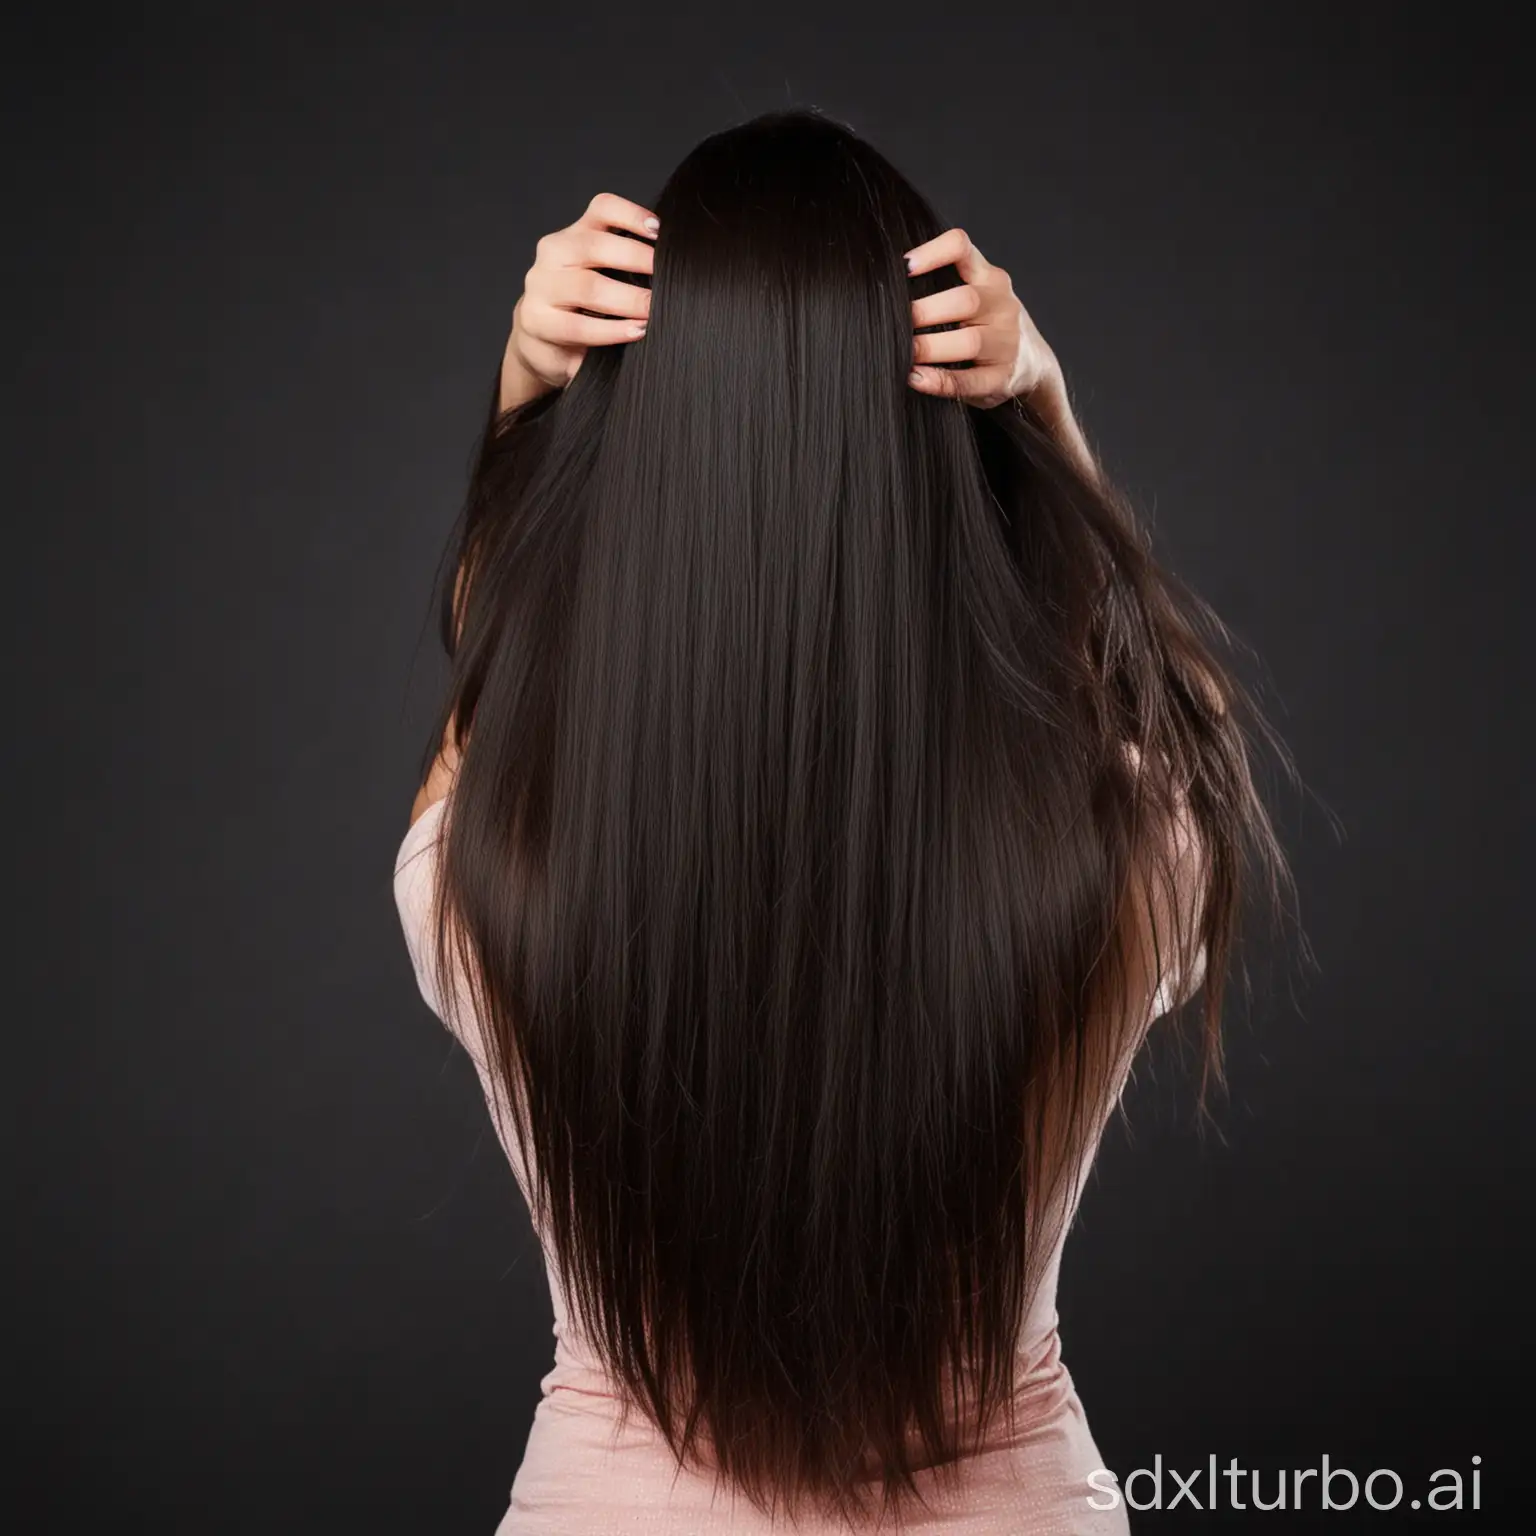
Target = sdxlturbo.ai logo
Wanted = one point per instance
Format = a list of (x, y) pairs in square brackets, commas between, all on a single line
[(1161, 1487)]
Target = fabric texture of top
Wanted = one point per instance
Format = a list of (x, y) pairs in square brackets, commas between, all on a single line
[(581, 1476)]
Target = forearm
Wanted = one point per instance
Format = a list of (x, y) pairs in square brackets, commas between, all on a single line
[(1052, 405), (518, 384)]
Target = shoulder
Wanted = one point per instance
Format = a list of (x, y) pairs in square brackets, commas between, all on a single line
[(445, 765), (1167, 907), (440, 776)]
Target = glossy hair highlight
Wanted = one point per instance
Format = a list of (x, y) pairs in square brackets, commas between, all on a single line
[(837, 769)]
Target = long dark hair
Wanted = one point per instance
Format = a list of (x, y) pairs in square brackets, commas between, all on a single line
[(812, 855)]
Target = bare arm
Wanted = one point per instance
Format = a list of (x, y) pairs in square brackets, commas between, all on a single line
[(1009, 358), (566, 306), (439, 779), (519, 384), (445, 765), (1050, 402), (1167, 906)]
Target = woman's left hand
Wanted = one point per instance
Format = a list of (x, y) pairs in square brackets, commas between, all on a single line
[(1010, 356)]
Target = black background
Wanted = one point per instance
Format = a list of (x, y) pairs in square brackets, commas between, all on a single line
[(269, 1271)]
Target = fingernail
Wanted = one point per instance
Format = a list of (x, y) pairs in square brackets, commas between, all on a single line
[(909, 260), (653, 225), (916, 376), (638, 328)]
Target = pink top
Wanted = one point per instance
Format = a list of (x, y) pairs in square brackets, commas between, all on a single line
[(581, 1477)]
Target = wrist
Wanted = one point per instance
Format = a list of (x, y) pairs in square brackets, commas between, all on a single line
[(1048, 394), (519, 383)]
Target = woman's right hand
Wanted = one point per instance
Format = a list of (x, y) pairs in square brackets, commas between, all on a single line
[(550, 332)]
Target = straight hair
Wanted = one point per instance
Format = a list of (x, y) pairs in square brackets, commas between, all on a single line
[(831, 760)]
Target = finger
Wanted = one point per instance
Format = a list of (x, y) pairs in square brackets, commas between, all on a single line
[(951, 249), (582, 288), (566, 328), (949, 346), (960, 383), (608, 208), (959, 303), (935, 381), (582, 245), (603, 248)]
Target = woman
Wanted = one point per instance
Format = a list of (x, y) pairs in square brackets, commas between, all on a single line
[(829, 791)]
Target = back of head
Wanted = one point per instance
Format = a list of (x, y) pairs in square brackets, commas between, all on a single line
[(820, 735)]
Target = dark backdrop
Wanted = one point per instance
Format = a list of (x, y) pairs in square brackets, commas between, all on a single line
[(268, 1270)]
